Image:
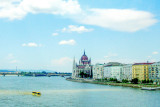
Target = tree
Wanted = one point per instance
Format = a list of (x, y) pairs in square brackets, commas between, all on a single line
[(118, 82), (151, 81), (44, 72), (81, 74), (143, 81), (113, 79), (147, 81), (105, 79), (85, 75), (124, 81), (134, 81)]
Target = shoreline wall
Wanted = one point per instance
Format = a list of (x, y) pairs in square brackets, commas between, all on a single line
[(111, 83)]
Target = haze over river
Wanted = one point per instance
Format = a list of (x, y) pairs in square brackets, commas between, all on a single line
[(58, 92)]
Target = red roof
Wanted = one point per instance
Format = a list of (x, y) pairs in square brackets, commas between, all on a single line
[(142, 63), (81, 66)]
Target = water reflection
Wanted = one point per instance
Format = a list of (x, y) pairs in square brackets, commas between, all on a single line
[(14, 92)]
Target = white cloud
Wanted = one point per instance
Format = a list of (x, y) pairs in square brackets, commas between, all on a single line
[(14, 61), (64, 61), (111, 55), (67, 42), (11, 9), (63, 64), (79, 29), (127, 20), (155, 53), (31, 45), (149, 56), (153, 60), (55, 34), (10, 56), (17, 9)]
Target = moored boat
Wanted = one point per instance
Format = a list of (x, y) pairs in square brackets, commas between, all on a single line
[(148, 88)]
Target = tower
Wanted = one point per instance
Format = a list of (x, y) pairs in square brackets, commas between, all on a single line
[(74, 68), (83, 66)]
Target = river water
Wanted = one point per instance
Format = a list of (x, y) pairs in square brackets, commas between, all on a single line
[(57, 92)]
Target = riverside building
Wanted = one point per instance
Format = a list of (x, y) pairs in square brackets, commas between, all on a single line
[(154, 72), (98, 71), (84, 67), (127, 72), (113, 70), (117, 72), (141, 71), (107, 71)]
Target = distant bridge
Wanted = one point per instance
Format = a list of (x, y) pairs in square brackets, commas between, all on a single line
[(34, 74), (53, 74), (10, 73)]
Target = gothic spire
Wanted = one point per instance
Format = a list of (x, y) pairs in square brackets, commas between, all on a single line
[(74, 61), (84, 52)]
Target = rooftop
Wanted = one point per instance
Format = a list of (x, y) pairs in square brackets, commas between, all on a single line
[(142, 63)]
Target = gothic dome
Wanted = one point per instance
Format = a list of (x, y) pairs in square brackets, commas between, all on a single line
[(84, 57)]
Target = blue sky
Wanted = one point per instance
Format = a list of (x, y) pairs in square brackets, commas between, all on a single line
[(47, 34)]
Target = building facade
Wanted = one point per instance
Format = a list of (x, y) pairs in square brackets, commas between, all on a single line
[(98, 71), (127, 72), (141, 71), (113, 70), (83, 69), (117, 72), (154, 72), (107, 71)]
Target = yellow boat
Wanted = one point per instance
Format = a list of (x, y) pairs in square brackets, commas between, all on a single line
[(36, 93)]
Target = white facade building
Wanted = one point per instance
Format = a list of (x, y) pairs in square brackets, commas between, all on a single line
[(98, 71), (154, 72), (107, 71), (127, 72), (117, 72), (113, 70)]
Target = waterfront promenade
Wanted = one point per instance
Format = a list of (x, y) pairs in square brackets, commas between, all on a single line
[(103, 82)]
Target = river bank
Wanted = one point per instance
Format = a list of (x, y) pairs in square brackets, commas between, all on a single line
[(112, 83)]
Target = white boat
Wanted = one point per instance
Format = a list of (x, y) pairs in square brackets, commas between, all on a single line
[(148, 88)]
